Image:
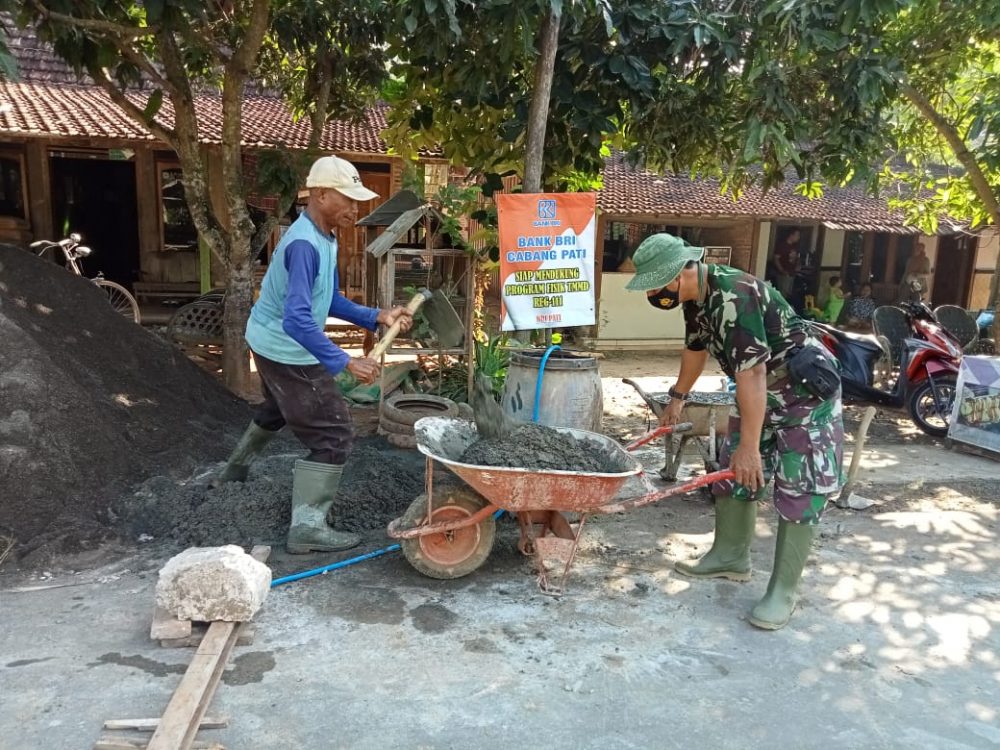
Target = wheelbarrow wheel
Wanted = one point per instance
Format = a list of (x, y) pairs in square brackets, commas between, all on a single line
[(450, 554)]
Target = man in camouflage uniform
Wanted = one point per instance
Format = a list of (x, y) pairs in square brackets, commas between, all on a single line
[(779, 430)]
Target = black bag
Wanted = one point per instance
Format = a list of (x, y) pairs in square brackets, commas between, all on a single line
[(817, 373)]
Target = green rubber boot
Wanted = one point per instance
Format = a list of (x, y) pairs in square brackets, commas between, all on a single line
[(730, 553), (251, 444), (314, 486), (790, 553)]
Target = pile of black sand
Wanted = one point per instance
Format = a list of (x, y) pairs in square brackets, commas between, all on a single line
[(534, 446), (379, 484), (90, 405)]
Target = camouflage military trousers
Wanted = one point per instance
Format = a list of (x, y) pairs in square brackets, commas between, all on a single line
[(802, 448)]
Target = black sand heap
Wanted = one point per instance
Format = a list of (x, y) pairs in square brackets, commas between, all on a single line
[(91, 403), (534, 446)]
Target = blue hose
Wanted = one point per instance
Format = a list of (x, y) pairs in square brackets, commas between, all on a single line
[(334, 566), (538, 383), (344, 563)]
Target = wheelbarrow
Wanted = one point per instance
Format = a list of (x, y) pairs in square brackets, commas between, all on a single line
[(448, 531), (708, 413)]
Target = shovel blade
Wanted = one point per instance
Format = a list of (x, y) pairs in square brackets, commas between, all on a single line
[(441, 316)]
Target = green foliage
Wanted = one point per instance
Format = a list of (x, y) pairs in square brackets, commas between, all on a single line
[(456, 202), (334, 45), (950, 56), (743, 91), (493, 359)]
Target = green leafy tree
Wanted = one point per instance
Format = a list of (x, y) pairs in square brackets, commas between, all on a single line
[(946, 127), (744, 90), (152, 58)]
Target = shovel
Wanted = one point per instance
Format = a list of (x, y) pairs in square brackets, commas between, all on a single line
[(440, 315)]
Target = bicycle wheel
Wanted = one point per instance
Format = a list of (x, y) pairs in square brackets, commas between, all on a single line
[(120, 298)]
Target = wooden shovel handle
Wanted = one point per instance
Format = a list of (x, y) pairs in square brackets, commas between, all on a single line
[(386, 341)]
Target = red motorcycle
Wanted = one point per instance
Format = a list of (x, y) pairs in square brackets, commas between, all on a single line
[(928, 368)]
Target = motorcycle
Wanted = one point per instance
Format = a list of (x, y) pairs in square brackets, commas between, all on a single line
[(928, 368)]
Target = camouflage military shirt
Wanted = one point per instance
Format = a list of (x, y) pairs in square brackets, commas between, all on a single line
[(742, 322)]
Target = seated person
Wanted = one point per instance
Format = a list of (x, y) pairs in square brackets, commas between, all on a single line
[(861, 308), (834, 304)]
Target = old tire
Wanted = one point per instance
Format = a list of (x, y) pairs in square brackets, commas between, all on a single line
[(451, 554), (407, 408), (922, 405), (408, 442), (394, 428)]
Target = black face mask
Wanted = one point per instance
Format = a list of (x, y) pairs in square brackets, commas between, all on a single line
[(665, 299)]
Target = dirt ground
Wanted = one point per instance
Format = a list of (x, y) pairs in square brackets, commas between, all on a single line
[(894, 643)]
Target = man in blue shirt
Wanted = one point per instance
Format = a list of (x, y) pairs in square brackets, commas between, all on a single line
[(297, 362)]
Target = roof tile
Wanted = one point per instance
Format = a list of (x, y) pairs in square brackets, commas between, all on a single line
[(632, 191), (78, 110)]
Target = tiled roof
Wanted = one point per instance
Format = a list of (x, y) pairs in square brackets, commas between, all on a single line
[(630, 191), (77, 110), (49, 99)]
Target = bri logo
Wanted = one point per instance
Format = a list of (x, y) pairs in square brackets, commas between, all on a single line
[(546, 209)]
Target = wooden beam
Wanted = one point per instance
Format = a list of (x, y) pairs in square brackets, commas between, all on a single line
[(192, 697), (149, 725), (166, 625), (602, 223), (866, 262), (139, 743), (187, 706), (890, 259)]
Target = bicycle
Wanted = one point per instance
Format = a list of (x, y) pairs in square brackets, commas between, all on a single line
[(120, 299)]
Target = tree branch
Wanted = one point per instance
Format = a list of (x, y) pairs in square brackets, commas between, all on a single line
[(147, 67), (167, 135), (95, 24), (967, 159), (980, 184), (248, 49)]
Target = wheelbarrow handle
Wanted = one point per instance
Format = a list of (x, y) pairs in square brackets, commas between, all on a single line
[(656, 496), (660, 431)]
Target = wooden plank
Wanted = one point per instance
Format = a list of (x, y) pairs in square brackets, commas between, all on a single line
[(149, 725), (245, 636), (192, 697), (110, 742), (260, 552), (165, 625)]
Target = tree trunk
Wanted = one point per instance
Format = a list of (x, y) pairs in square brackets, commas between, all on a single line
[(240, 260), (978, 180), (538, 113)]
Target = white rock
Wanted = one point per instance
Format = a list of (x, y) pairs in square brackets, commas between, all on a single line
[(859, 502), (213, 583)]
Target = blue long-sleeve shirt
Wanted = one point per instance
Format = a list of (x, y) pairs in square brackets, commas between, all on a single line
[(302, 264)]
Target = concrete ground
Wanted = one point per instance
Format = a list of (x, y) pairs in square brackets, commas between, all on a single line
[(895, 644)]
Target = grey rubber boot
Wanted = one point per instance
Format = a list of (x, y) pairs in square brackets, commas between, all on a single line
[(314, 486), (730, 553), (791, 550), (251, 444)]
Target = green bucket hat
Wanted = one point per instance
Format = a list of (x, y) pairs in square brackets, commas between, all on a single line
[(659, 260)]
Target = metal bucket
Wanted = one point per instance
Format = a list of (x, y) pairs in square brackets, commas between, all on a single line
[(571, 394)]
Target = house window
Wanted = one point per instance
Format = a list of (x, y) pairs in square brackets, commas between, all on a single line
[(12, 187), (178, 228)]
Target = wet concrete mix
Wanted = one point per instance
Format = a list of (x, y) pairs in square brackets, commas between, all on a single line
[(534, 446), (379, 483)]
